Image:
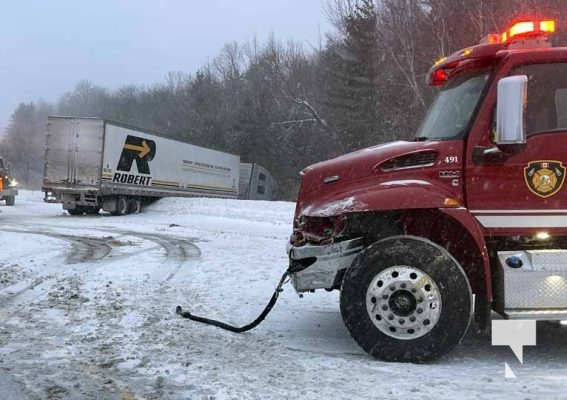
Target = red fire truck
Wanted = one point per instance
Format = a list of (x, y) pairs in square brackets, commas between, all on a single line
[(473, 208)]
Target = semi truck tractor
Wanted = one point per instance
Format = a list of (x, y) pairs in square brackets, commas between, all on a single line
[(8, 185), (475, 207), (256, 183), (93, 164)]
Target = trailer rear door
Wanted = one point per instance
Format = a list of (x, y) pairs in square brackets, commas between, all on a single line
[(73, 154)]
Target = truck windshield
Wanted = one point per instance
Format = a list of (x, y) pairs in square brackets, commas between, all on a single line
[(452, 109)]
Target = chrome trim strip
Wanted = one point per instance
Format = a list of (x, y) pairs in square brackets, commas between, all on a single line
[(523, 221), (521, 212)]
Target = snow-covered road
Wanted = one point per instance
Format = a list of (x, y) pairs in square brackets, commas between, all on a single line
[(87, 311)]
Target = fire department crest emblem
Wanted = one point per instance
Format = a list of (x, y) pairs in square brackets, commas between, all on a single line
[(544, 178)]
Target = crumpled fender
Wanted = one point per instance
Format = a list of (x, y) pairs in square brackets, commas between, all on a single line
[(401, 195)]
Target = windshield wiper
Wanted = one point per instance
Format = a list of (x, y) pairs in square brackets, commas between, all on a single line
[(420, 139)]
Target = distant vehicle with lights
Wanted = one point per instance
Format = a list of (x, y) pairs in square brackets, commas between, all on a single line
[(8, 185), (474, 207)]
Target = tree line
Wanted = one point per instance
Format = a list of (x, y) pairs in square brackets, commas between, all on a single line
[(282, 105)]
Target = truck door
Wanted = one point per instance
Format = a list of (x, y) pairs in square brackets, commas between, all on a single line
[(526, 193)]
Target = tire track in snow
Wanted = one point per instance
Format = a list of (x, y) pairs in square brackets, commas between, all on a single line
[(176, 249), (83, 248), (88, 249), (21, 287)]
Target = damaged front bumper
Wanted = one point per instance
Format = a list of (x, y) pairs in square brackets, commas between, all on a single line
[(317, 266)]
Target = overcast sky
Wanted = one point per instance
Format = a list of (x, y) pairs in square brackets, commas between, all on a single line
[(48, 46)]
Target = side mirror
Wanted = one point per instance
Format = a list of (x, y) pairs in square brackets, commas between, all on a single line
[(510, 114)]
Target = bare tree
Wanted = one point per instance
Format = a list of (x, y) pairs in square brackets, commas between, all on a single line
[(24, 142), (399, 35), (337, 11)]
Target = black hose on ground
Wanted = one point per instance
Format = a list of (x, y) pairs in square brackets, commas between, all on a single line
[(236, 329)]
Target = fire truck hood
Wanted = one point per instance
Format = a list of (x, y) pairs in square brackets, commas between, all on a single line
[(366, 162)]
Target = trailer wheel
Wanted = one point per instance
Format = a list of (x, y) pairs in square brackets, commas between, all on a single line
[(76, 211), (122, 206), (92, 210), (136, 206), (10, 200), (406, 299)]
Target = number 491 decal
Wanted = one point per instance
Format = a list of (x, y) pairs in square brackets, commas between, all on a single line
[(451, 160)]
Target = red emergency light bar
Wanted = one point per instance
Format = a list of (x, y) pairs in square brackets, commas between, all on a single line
[(535, 31), (528, 28)]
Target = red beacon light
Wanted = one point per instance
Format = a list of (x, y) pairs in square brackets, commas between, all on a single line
[(491, 38)]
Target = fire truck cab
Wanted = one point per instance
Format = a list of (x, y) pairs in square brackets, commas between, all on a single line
[(474, 207)]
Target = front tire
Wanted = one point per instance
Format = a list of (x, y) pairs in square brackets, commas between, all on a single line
[(406, 299), (10, 200)]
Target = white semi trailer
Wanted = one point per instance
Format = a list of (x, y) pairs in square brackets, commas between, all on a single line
[(92, 163)]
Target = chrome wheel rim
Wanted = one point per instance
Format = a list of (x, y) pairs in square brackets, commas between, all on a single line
[(403, 302)]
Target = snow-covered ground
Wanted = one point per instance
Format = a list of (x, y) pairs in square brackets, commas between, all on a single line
[(87, 310)]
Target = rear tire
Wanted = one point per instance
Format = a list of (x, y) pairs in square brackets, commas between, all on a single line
[(92, 210), (136, 206), (122, 206), (10, 200), (406, 299), (76, 211)]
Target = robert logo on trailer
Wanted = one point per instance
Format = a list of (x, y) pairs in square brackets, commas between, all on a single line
[(136, 149)]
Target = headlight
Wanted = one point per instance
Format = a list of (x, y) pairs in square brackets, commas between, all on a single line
[(13, 182)]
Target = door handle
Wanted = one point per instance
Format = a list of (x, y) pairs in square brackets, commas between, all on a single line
[(488, 155)]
